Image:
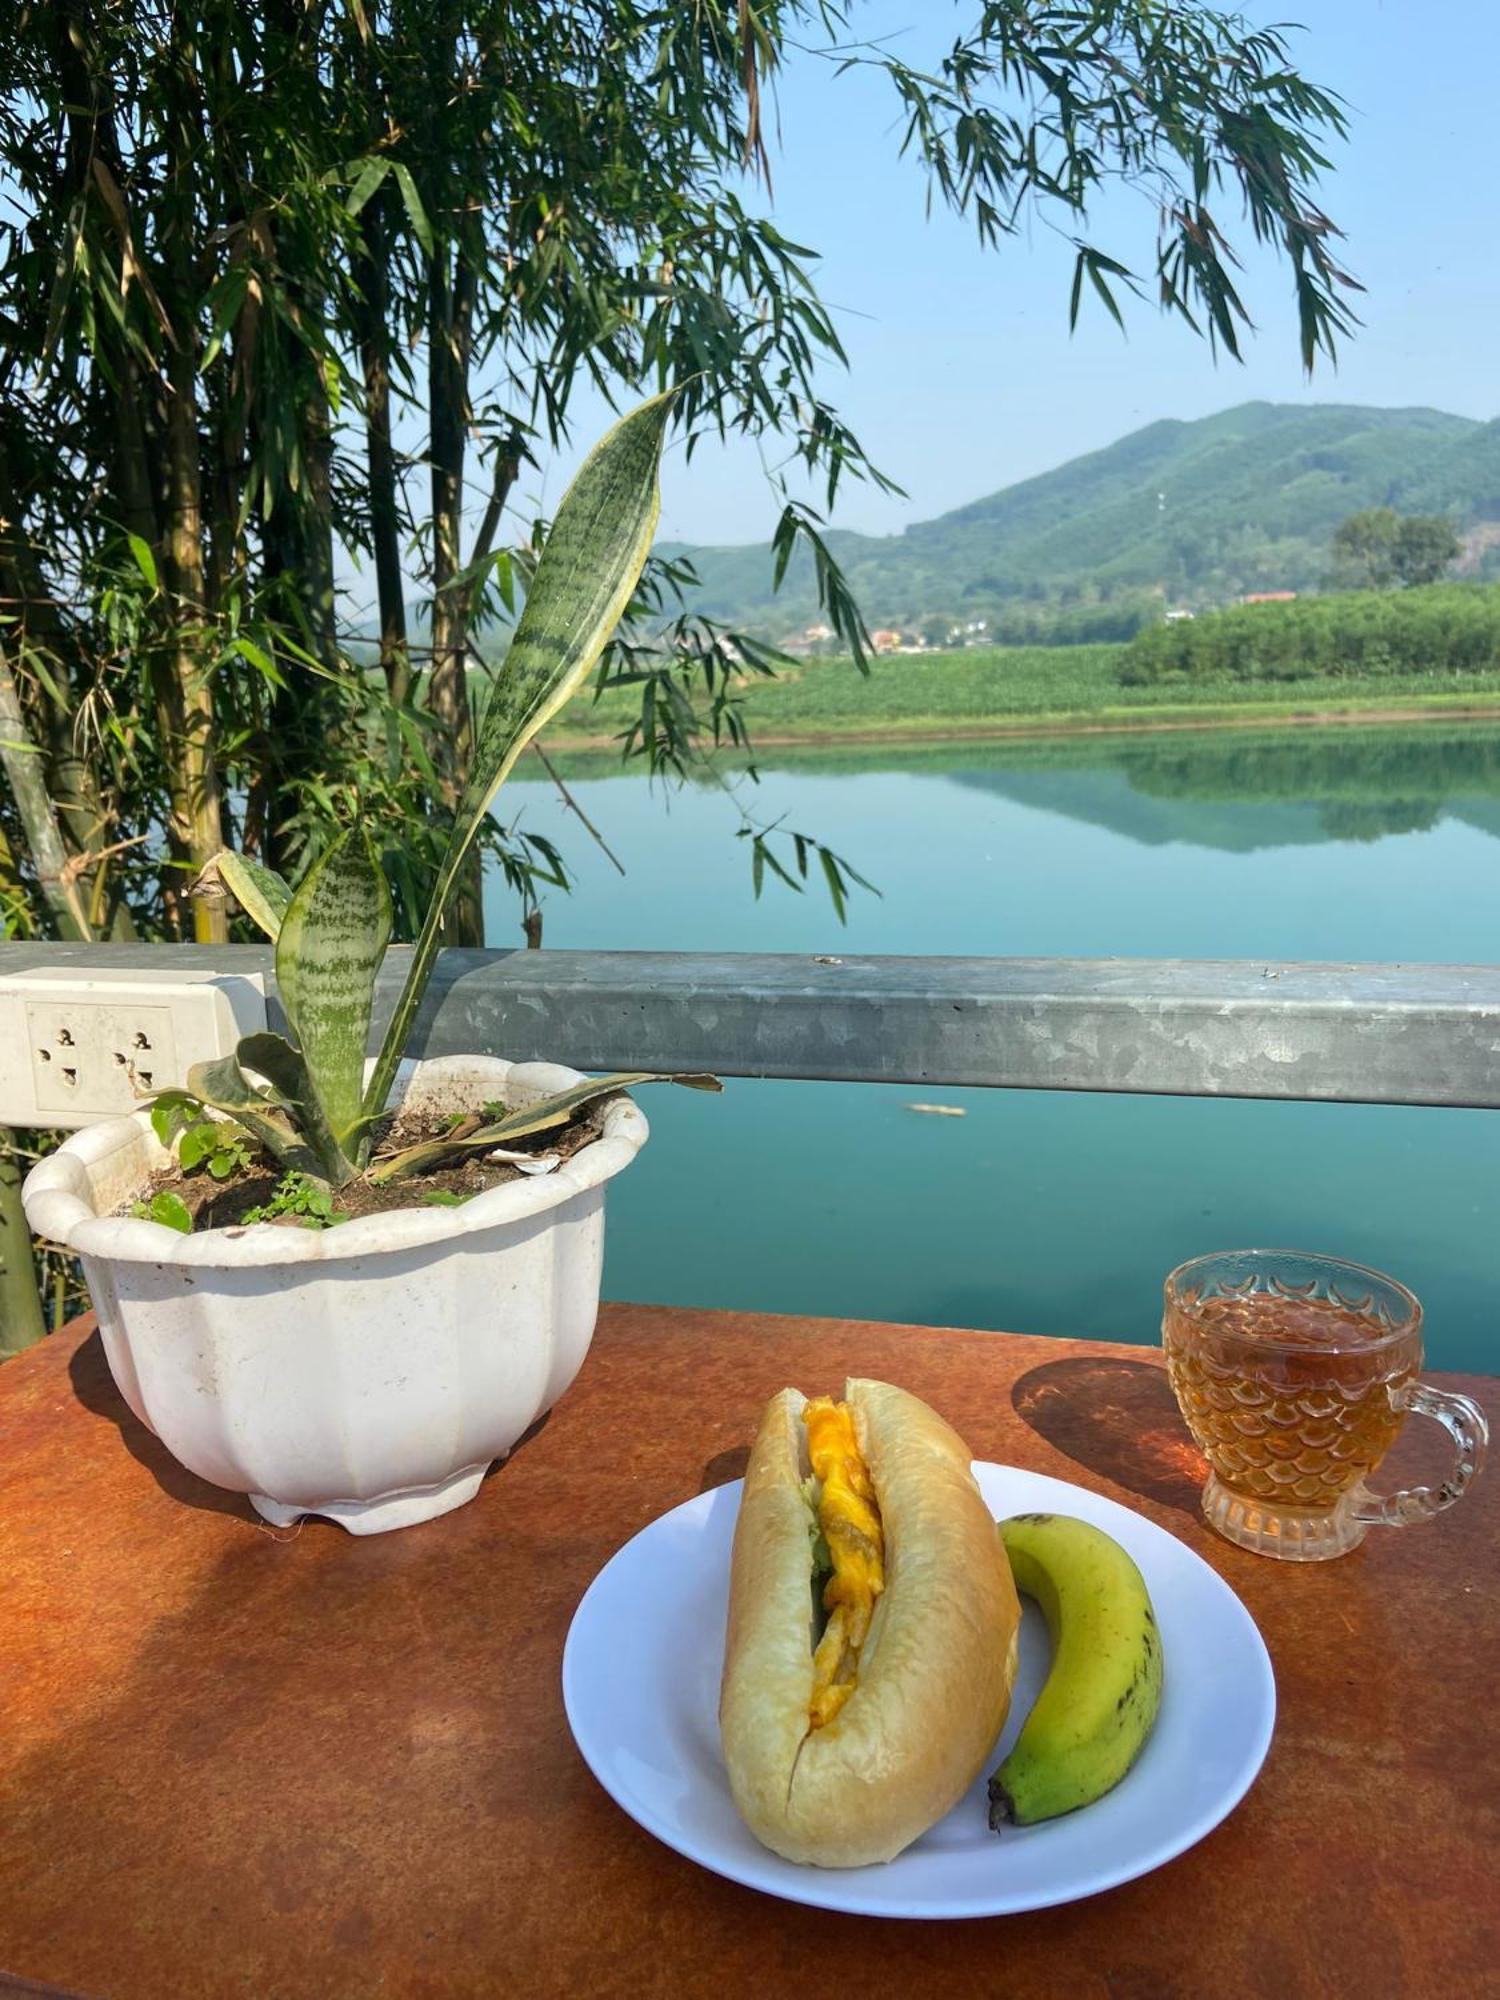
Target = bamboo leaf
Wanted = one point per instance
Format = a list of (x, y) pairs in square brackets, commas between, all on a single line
[(69, 261), (416, 214), (145, 560), (328, 951), (258, 658), (542, 1116), (260, 891), (584, 579), (371, 173)]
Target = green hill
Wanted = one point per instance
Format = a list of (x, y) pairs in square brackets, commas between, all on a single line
[(1196, 512)]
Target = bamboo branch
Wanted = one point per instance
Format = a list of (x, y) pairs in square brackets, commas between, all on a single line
[(507, 471), (573, 806)]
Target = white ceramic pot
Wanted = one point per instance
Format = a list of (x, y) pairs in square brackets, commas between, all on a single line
[(372, 1372)]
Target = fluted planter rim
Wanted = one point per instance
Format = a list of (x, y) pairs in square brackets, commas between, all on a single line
[(63, 1205)]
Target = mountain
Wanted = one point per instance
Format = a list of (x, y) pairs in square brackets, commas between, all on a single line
[(1200, 512)]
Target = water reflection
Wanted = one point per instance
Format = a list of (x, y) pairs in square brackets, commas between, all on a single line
[(1238, 791), (1234, 790)]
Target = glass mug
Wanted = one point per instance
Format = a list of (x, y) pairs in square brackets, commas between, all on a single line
[(1294, 1374)]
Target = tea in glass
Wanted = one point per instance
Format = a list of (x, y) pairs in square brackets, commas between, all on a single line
[(1295, 1374)]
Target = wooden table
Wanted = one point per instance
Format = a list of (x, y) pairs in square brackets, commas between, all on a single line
[(242, 1762)]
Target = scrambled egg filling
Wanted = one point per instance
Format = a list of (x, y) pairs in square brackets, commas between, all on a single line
[(849, 1518)]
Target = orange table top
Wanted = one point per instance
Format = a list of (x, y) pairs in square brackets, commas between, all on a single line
[(245, 1762)]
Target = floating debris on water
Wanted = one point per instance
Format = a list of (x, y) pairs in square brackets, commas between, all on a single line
[(941, 1110)]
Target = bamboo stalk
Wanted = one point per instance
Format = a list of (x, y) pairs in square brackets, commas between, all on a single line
[(450, 310), (71, 785), (195, 789), (451, 299), (385, 518), (26, 769), (22, 1323)]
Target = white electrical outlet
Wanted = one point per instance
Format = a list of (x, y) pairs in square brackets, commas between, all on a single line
[(76, 1045)]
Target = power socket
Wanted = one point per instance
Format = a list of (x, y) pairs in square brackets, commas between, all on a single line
[(103, 1058), (76, 1046)]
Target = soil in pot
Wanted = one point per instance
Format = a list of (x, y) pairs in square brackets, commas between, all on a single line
[(220, 1204)]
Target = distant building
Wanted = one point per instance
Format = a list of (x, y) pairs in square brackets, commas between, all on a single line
[(1176, 615), (816, 634), (885, 642), (1266, 597)]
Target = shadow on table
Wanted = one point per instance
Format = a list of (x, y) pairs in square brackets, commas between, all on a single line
[(1118, 1418), (724, 1466), (94, 1387)]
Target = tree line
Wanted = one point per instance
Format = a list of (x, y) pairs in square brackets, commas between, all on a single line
[(1379, 549), (1445, 628)]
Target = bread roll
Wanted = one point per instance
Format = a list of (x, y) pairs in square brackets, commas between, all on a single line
[(934, 1675)]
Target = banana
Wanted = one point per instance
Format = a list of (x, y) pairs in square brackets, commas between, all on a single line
[(1104, 1685)]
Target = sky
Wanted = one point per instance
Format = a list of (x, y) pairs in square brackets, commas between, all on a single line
[(962, 374)]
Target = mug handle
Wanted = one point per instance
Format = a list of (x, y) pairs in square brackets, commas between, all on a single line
[(1464, 1421)]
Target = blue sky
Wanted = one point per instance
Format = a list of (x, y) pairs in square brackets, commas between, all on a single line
[(963, 377)]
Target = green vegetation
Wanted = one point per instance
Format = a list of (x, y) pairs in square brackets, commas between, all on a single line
[(300, 1198), (169, 1209), (303, 1103), (987, 690), (1196, 512), (1381, 548), (286, 285), (1442, 631)]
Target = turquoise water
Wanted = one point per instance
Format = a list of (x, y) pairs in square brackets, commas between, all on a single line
[(1041, 1211)]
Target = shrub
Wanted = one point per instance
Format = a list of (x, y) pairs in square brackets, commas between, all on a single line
[(1441, 628)]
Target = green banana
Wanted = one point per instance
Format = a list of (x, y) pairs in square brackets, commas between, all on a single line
[(1104, 1685)]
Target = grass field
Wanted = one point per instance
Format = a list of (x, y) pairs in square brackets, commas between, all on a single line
[(996, 690)]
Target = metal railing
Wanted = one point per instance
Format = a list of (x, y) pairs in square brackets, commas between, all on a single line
[(1374, 1034)]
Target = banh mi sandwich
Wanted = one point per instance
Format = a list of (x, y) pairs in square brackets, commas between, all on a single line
[(872, 1627)]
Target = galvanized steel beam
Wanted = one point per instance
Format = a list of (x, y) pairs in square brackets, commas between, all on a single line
[(1380, 1034)]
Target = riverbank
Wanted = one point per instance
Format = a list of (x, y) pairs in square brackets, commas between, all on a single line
[(990, 694)]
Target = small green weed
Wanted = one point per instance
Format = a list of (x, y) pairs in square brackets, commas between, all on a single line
[(218, 1145), (165, 1207), (297, 1195)]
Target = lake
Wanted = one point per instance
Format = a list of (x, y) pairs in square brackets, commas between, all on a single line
[(1049, 1212)]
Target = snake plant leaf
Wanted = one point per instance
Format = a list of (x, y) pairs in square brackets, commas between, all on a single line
[(585, 577), (285, 1069), (328, 952), (221, 1085), (260, 892), (541, 1116)]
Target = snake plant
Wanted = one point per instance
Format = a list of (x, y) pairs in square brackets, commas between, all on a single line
[(304, 1097)]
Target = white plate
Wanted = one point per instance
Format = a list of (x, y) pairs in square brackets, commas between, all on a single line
[(641, 1688)]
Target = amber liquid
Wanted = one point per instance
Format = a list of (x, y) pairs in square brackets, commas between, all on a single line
[(1289, 1399)]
